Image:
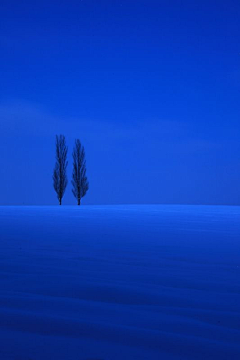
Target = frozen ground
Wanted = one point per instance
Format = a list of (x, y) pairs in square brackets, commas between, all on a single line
[(120, 282)]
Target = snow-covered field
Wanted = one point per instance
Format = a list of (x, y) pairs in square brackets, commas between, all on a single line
[(120, 282)]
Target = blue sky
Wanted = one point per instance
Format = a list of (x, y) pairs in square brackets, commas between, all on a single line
[(151, 88)]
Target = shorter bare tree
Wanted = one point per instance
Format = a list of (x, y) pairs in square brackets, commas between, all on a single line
[(60, 171), (80, 183)]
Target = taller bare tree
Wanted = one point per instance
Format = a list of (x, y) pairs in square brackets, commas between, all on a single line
[(80, 183), (60, 171)]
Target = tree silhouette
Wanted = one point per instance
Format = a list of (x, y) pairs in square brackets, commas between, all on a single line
[(80, 183), (60, 171)]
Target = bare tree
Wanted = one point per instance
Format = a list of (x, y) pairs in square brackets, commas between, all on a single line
[(79, 179), (60, 171)]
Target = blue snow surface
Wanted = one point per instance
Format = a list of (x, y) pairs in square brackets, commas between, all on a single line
[(120, 282)]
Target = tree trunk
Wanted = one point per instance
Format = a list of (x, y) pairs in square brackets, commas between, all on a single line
[(60, 201), (79, 201)]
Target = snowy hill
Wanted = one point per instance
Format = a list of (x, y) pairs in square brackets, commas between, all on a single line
[(120, 282)]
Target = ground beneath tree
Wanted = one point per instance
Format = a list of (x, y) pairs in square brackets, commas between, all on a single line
[(120, 282)]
